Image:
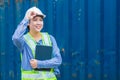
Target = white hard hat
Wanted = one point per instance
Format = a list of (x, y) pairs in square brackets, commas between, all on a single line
[(38, 11)]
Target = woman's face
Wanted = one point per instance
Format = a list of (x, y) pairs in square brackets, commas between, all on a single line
[(36, 24)]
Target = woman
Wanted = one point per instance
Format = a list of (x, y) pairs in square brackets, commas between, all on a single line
[(26, 43)]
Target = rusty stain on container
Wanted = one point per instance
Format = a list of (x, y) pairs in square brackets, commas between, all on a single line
[(35, 1), (21, 1), (105, 75), (90, 75), (1, 3), (11, 74), (16, 1), (97, 62), (8, 2), (74, 75)]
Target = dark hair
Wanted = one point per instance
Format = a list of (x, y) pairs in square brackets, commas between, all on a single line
[(28, 28)]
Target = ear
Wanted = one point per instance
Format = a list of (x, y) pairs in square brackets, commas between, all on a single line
[(28, 24)]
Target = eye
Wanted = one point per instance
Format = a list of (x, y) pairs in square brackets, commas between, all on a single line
[(34, 19), (40, 19)]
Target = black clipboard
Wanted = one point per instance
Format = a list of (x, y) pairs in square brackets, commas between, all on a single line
[(43, 52)]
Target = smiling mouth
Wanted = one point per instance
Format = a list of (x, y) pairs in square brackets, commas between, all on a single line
[(38, 27)]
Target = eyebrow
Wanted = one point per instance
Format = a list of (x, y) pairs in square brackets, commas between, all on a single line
[(38, 16)]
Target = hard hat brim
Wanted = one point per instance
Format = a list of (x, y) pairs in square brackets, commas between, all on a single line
[(42, 16)]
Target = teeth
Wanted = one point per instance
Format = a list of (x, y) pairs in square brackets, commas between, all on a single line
[(38, 26)]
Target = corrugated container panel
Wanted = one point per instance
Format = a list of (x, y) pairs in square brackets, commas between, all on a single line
[(81, 21), (118, 39), (77, 38), (62, 31), (93, 70), (2, 40), (87, 33), (109, 40)]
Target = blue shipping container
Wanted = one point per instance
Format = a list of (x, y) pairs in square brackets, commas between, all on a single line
[(87, 33)]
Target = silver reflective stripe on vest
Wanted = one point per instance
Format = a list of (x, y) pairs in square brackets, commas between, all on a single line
[(39, 75), (46, 39)]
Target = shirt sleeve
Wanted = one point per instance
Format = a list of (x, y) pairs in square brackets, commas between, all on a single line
[(56, 57), (18, 34)]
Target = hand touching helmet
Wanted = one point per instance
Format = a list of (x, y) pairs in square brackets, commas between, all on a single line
[(30, 13)]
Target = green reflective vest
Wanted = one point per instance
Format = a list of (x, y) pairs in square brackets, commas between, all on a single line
[(38, 75)]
